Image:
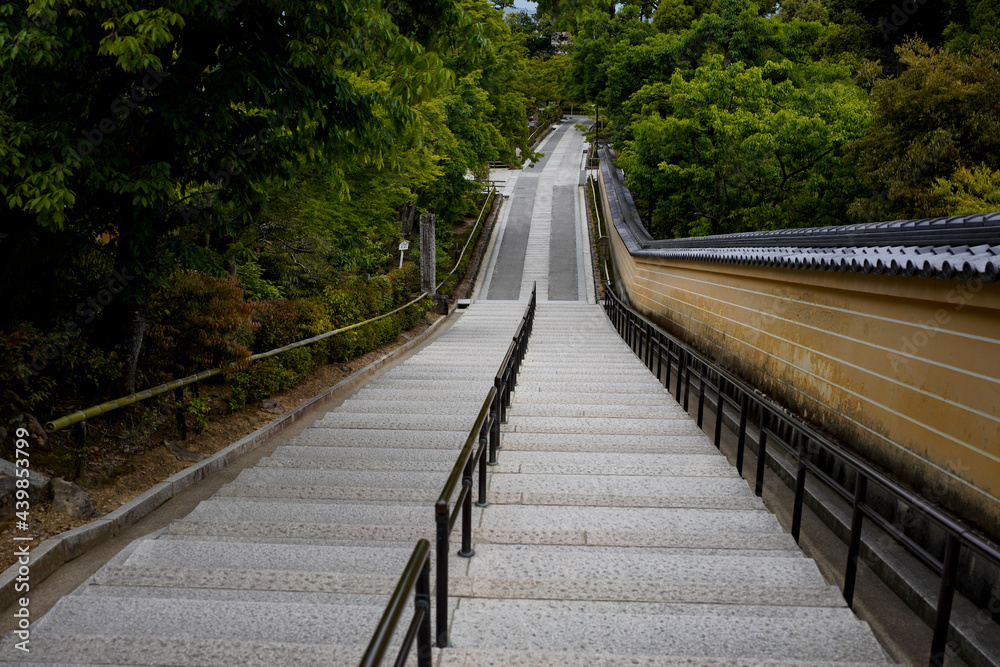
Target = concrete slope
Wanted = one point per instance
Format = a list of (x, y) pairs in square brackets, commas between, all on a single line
[(619, 535), (293, 562)]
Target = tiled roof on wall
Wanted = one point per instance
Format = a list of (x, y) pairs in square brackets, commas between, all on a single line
[(962, 262), (963, 247)]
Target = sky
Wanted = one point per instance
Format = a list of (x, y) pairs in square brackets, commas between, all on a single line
[(526, 5)]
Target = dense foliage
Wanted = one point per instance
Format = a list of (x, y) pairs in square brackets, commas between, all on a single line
[(185, 184), (736, 116)]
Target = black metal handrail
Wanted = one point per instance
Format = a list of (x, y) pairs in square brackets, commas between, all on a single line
[(416, 577), (483, 439), (485, 431), (659, 351)]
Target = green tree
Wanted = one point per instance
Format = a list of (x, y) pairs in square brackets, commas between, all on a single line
[(978, 27), (673, 15), (543, 80), (157, 128), (937, 116), (533, 32), (743, 148)]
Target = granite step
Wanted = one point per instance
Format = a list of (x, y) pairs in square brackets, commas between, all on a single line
[(310, 512), (188, 629), (625, 443), (393, 439), (94, 650), (514, 625), (414, 406), (586, 408), (393, 421), (679, 425), (653, 396), (293, 456), (304, 477), (458, 657)]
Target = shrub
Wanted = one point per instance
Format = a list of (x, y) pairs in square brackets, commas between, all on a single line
[(278, 324), (257, 288), (361, 300), (260, 380), (197, 412), (300, 360), (364, 339), (53, 368), (198, 322)]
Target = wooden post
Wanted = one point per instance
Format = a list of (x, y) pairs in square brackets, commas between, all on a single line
[(428, 257)]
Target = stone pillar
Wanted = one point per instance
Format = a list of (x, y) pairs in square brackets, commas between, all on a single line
[(428, 257)]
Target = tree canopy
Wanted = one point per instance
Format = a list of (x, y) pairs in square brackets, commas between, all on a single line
[(733, 116), (274, 139)]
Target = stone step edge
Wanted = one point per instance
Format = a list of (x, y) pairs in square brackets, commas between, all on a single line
[(652, 539), (256, 580), (375, 494), (49, 556), (115, 649), (824, 595), (461, 657), (396, 494)]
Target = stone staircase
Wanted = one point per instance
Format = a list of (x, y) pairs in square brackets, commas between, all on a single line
[(293, 563), (618, 535)]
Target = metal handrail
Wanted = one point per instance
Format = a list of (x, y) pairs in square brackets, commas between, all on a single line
[(484, 438), (416, 576), (654, 346)]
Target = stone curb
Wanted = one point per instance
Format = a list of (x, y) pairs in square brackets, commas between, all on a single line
[(48, 556)]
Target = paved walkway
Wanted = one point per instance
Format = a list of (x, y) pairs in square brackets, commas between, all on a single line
[(617, 534), (543, 237)]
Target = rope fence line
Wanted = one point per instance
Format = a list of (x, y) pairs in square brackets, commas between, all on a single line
[(124, 401)]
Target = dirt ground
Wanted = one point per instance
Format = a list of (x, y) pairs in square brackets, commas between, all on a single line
[(151, 467)]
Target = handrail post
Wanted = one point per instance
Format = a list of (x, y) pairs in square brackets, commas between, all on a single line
[(467, 551), (443, 530), (484, 444), (687, 380), (800, 489), (681, 356), (495, 421), (701, 393), (854, 546), (720, 408), (659, 354), (648, 356), (422, 600), (741, 443), (946, 595), (765, 418)]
